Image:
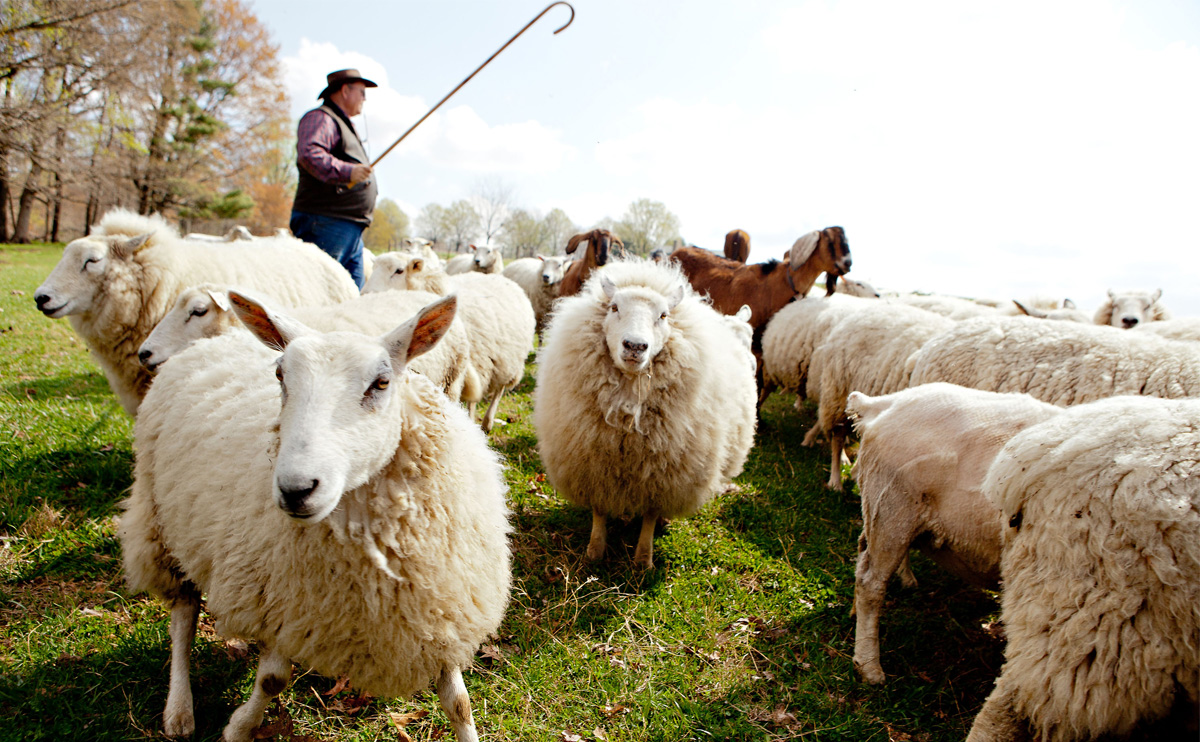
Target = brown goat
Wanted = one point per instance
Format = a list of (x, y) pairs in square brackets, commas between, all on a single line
[(737, 245), (599, 242), (766, 287)]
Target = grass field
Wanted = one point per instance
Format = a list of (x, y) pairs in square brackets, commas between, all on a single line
[(741, 632)]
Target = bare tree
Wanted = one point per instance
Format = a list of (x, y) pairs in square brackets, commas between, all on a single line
[(432, 223), (646, 225), (462, 224), (559, 228), (492, 199), (525, 235)]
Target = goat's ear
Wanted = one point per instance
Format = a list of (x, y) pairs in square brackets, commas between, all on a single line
[(607, 286), (422, 331), (220, 298), (1156, 295), (574, 242), (123, 249), (1068, 304), (803, 249), (744, 313), (273, 329), (675, 297)]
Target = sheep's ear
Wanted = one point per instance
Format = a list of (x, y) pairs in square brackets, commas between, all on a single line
[(744, 313), (274, 330), (220, 298), (541, 257), (803, 248), (422, 332), (1029, 311), (1068, 304), (1156, 295), (675, 297), (417, 264), (123, 249), (1111, 296), (608, 286)]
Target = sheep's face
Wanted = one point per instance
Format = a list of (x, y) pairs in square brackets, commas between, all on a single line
[(485, 258), (1132, 308), (552, 271), (637, 324), (73, 287), (390, 272), (198, 313), (335, 432)]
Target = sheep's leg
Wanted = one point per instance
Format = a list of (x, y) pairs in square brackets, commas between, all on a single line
[(998, 720), (457, 704), (178, 717), (643, 555), (274, 672), (810, 438), (905, 573), (879, 555), (837, 447), (490, 416), (599, 540)]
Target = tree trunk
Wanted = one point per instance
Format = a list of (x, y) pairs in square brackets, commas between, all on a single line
[(4, 194), (59, 144), (21, 232)]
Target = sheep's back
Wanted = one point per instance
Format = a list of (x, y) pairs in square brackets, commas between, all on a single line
[(500, 324), (1102, 564), (794, 333)]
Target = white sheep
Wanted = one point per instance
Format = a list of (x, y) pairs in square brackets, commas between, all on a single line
[(495, 311), (204, 311), (347, 516), (866, 350), (1063, 363), (1126, 309), (789, 339), (1100, 508), (1176, 328), (921, 461), (422, 247), (117, 283), (1068, 312), (948, 306), (539, 278), (483, 259), (644, 401)]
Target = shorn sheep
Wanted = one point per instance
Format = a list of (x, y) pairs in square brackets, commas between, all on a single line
[(1126, 309), (204, 311), (1100, 508), (348, 516), (1063, 363), (117, 283), (499, 320), (921, 461), (644, 402), (539, 278), (866, 351)]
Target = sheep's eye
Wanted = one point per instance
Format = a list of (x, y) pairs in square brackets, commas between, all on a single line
[(199, 311), (398, 271), (89, 261), (612, 307), (663, 315), (279, 373), (380, 384)]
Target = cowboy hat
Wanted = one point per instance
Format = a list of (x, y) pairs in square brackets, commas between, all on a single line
[(335, 80)]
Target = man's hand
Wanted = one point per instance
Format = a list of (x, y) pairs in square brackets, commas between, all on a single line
[(359, 173)]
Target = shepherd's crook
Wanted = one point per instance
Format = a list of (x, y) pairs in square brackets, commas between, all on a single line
[(464, 82)]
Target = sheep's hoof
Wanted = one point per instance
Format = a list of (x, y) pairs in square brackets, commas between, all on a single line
[(179, 724), (643, 561), (595, 552), (872, 672)]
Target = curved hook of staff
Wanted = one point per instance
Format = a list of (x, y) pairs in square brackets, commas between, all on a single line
[(496, 53)]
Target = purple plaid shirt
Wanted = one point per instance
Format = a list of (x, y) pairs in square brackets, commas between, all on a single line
[(316, 136)]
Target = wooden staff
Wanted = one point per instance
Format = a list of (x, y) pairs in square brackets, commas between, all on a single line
[(468, 79)]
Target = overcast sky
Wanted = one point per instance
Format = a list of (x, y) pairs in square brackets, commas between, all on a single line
[(992, 149)]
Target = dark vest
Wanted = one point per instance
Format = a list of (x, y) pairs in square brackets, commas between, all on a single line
[(315, 196)]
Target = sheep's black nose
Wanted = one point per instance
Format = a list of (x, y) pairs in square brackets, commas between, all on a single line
[(294, 498), (633, 347), (144, 355), (41, 299), (1129, 321)]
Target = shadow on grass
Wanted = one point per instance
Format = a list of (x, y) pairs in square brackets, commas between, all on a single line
[(92, 387), (82, 482)]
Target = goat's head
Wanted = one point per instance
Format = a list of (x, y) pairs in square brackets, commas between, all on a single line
[(199, 312), (637, 324), (829, 251), (335, 432), (89, 268), (599, 243)]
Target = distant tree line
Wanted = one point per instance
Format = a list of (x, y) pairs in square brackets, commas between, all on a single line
[(155, 105)]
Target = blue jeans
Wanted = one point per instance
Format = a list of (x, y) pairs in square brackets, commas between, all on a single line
[(341, 238)]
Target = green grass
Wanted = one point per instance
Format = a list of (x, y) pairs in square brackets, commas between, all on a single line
[(741, 632)]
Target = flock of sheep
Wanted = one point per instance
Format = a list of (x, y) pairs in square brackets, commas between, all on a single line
[(356, 489)]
